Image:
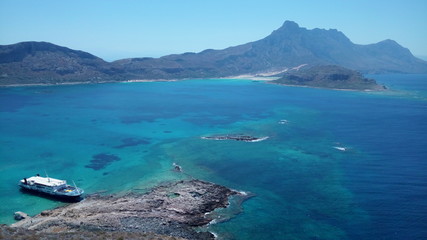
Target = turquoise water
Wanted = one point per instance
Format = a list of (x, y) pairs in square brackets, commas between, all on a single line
[(304, 187)]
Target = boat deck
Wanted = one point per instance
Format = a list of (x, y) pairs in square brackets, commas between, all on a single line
[(46, 181)]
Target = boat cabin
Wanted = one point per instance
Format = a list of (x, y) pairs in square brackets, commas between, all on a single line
[(44, 181)]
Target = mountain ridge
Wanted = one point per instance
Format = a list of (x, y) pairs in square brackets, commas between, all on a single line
[(286, 47)]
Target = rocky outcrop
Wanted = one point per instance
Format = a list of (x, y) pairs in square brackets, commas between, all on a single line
[(20, 215), (171, 209), (328, 76), (236, 137)]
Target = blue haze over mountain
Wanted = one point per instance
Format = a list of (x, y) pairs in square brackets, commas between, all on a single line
[(287, 47)]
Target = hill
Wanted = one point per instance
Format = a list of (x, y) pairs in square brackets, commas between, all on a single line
[(46, 63), (329, 76), (285, 48)]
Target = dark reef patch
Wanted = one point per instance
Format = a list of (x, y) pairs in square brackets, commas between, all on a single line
[(46, 155), (136, 119), (129, 142), (101, 160), (12, 102)]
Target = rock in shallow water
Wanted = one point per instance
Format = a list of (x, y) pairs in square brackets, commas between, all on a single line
[(20, 215)]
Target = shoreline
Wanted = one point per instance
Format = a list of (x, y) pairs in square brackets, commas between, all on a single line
[(238, 77), (88, 83), (266, 79), (242, 77), (251, 78), (326, 88)]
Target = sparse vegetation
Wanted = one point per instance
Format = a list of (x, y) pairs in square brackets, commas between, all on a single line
[(329, 76)]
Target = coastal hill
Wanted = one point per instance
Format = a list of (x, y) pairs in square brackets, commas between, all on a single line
[(285, 48), (329, 76), (46, 63)]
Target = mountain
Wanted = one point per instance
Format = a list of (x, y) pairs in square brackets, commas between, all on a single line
[(285, 48), (42, 62), (328, 76)]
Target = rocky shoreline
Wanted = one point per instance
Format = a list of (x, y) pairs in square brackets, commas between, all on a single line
[(171, 210)]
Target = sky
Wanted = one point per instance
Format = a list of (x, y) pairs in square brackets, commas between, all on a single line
[(152, 28)]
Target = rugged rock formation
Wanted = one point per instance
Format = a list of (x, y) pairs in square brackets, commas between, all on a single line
[(172, 210)]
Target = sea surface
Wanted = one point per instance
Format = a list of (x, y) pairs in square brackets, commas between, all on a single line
[(115, 138)]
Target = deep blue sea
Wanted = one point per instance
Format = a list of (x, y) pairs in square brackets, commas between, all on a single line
[(115, 138)]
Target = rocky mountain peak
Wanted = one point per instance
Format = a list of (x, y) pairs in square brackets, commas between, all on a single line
[(290, 25), (288, 28)]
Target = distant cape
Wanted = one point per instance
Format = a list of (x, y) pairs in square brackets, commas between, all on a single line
[(328, 76), (285, 48)]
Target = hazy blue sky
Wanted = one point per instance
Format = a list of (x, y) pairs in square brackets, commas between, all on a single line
[(141, 28)]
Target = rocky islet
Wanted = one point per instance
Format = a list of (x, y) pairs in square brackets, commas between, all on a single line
[(172, 209)]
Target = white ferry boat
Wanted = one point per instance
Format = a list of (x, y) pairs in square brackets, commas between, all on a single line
[(51, 186)]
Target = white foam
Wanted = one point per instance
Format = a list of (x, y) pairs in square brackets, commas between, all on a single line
[(243, 193), (341, 148), (259, 139)]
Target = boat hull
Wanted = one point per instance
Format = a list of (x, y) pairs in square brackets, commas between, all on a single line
[(71, 195)]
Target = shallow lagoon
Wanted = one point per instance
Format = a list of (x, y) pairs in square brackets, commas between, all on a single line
[(304, 188)]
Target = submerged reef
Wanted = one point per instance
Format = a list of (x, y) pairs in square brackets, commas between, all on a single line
[(130, 142), (172, 209), (101, 160)]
